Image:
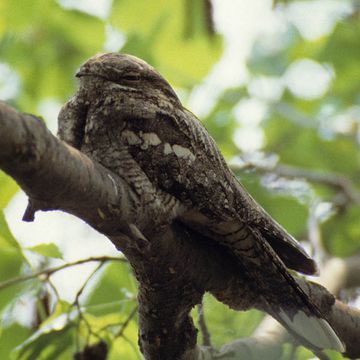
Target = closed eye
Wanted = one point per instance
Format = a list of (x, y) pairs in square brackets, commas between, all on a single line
[(131, 77)]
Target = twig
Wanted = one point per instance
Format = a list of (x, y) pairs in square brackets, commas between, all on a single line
[(334, 180), (81, 315), (127, 321), (52, 270), (131, 343)]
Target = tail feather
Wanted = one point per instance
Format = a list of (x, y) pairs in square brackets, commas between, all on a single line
[(290, 305), (315, 332), (281, 295)]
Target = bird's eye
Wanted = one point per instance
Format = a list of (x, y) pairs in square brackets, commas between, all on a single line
[(131, 77)]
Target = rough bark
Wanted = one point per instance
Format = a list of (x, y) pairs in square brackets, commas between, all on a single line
[(174, 267)]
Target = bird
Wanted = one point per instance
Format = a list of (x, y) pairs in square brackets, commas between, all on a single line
[(126, 116)]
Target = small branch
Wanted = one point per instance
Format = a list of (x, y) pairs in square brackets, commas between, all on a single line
[(81, 315), (127, 322), (294, 115), (50, 271), (336, 181)]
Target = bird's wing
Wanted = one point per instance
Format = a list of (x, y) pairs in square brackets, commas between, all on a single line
[(211, 174), (286, 247), (185, 162), (287, 302), (282, 296)]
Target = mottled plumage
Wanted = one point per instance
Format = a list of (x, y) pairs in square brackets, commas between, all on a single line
[(126, 116)]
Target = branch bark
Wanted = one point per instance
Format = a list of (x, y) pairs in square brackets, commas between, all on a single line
[(174, 267)]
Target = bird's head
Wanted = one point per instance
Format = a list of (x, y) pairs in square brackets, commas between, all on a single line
[(128, 72)]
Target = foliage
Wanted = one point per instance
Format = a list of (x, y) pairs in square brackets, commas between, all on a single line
[(44, 43)]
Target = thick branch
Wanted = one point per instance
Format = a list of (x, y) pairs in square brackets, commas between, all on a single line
[(174, 266), (55, 175)]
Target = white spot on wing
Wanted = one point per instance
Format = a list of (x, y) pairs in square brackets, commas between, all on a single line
[(149, 139), (130, 137), (167, 149), (182, 152), (143, 139)]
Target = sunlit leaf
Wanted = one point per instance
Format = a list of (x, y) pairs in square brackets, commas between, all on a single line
[(8, 188), (46, 346), (56, 42), (115, 289), (126, 347), (225, 324), (11, 263), (5, 234), (53, 338), (10, 337), (49, 250)]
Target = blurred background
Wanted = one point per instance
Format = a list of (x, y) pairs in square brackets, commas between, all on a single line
[(276, 83)]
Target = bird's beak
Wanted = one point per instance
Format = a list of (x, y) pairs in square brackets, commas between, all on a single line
[(80, 73), (83, 71)]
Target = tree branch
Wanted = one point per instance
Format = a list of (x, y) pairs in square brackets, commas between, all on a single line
[(174, 265), (334, 180)]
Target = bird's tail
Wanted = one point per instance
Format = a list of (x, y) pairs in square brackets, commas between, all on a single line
[(287, 302), (315, 332)]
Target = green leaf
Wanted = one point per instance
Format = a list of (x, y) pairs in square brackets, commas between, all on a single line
[(116, 287), (54, 337), (49, 250), (11, 337), (6, 237), (8, 188), (64, 39), (225, 324), (12, 261), (126, 348), (46, 346), (345, 61), (303, 146), (342, 233)]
